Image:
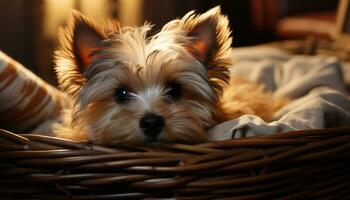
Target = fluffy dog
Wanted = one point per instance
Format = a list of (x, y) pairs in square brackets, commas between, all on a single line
[(129, 88)]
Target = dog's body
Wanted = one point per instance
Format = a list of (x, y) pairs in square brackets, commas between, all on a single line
[(130, 88)]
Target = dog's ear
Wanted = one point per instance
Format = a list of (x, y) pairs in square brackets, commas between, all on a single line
[(86, 38), (210, 41), (80, 39), (209, 32)]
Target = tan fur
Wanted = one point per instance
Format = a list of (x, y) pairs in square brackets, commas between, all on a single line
[(193, 51), (242, 97)]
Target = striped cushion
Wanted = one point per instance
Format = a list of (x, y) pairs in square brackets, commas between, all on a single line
[(26, 101)]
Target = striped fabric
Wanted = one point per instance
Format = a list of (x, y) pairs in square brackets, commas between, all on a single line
[(26, 101)]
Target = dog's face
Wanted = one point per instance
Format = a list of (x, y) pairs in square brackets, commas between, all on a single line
[(130, 88)]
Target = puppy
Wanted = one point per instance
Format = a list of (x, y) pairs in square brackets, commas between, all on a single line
[(129, 88)]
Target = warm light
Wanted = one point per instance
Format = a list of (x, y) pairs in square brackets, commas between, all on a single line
[(55, 15), (98, 10), (130, 12)]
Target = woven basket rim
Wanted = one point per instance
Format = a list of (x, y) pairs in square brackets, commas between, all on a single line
[(299, 164)]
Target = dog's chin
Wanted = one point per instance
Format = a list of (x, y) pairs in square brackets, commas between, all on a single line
[(151, 140), (141, 139)]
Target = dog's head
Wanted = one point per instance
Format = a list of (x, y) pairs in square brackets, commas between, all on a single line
[(129, 87)]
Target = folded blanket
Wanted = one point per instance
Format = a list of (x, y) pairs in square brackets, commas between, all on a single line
[(314, 83)]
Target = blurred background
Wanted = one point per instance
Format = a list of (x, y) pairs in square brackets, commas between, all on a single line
[(29, 27)]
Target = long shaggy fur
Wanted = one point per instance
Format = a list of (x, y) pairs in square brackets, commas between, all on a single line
[(146, 65)]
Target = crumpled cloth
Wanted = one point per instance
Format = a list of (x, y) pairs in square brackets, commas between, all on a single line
[(313, 83)]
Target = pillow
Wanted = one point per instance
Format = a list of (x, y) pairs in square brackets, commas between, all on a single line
[(26, 100)]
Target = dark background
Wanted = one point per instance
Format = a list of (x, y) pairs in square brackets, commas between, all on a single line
[(24, 22)]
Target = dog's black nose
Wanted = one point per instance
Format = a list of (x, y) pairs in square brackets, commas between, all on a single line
[(152, 124)]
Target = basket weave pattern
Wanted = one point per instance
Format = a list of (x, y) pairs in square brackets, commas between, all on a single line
[(309, 164)]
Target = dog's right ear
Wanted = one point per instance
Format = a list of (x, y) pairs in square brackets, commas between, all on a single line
[(79, 41)]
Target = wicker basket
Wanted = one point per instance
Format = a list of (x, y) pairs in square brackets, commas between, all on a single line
[(313, 164)]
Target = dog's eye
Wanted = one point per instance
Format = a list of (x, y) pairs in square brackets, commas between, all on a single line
[(174, 90), (122, 95)]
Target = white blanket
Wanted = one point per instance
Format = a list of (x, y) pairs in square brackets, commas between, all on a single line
[(314, 83)]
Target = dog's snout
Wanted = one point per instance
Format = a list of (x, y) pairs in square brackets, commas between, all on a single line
[(152, 124)]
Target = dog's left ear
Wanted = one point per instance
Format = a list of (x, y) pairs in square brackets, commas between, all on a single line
[(209, 31), (210, 43)]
